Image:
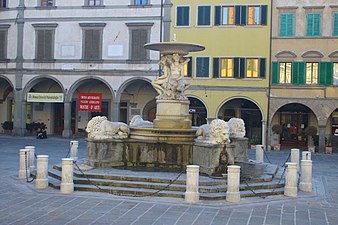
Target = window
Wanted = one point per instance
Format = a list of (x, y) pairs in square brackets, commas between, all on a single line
[(335, 24), (139, 37), (228, 15), (313, 22), (226, 68), (182, 16), (44, 41), (3, 4), (202, 66), (254, 15), (335, 73), (94, 2), (187, 68), (3, 41), (285, 72), (140, 2), (204, 13), (311, 75), (47, 3), (286, 25), (92, 41), (251, 68)]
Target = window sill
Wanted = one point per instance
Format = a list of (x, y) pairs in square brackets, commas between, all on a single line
[(140, 6), (203, 26), (44, 60), (254, 26), (183, 26), (226, 78), (253, 79), (4, 9), (202, 78), (4, 60), (131, 61), (93, 6), (91, 61), (45, 7)]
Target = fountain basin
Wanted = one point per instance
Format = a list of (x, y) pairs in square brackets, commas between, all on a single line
[(169, 48)]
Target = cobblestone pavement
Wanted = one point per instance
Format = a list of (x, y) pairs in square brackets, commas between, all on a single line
[(21, 203)]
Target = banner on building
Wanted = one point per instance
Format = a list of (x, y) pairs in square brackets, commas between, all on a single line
[(89, 102), (44, 97)]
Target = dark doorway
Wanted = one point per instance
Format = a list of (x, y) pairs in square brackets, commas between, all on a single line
[(58, 118)]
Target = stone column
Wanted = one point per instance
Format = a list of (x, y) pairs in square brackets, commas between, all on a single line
[(192, 194), (24, 167), (232, 194), (291, 180), (67, 184), (264, 135), (115, 115), (295, 156), (31, 154), (67, 131), (19, 123), (306, 176), (73, 150), (41, 172), (259, 154), (321, 130), (306, 155)]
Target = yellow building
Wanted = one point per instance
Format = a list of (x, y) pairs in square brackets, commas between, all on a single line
[(231, 77)]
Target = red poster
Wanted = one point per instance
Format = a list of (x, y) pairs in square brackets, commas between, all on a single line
[(89, 102)]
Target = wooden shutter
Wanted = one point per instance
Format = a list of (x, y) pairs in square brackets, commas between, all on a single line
[(242, 70), (48, 45), (203, 15), (139, 39), (216, 67), (325, 73), (237, 15), (283, 25), (309, 24), (243, 15), (298, 73), (275, 75), (236, 68), (290, 25), (335, 24), (92, 48), (264, 14), (262, 67), (316, 24), (88, 39), (3, 44), (182, 18), (218, 15)]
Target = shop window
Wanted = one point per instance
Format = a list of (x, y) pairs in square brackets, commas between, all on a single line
[(285, 72), (286, 25), (311, 74), (182, 15), (204, 16), (313, 24), (202, 66)]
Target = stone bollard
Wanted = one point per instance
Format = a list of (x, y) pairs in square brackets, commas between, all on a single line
[(306, 176), (192, 195), (31, 157), (232, 194), (295, 156), (306, 155), (259, 154), (41, 172), (67, 184), (291, 180), (74, 149), (24, 166)]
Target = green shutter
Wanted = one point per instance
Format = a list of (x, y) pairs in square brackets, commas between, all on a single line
[(282, 25), (316, 24), (243, 15), (236, 67), (290, 25), (218, 16), (309, 24), (216, 68), (275, 73), (182, 16), (325, 73), (262, 68), (3, 44), (242, 69), (298, 73), (335, 24), (237, 15), (264, 14), (313, 25)]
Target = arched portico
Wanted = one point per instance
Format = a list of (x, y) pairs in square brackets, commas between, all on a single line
[(7, 96)]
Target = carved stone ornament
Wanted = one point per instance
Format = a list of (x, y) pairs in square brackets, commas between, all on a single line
[(215, 133), (100, 128), (237, 128), (137, 121)]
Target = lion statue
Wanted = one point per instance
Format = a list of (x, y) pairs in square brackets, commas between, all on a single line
[(237, 128), (215, 133), (137, 121), (100, 128)]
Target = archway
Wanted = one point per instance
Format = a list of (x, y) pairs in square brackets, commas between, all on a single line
[(6, 100), (198, 111)]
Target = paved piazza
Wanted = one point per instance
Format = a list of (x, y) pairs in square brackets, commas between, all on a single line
[(21, 203)]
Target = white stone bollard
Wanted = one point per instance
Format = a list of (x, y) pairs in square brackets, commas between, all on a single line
[(306, 155), (31, 158), (295, 156), (41, 172), (73, 150), (232, 194), (67, 184), (291, 180), (192, 195), (259, 154), (24, 166), (306, 176)]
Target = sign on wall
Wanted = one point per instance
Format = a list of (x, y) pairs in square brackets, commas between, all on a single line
[(44, 97), (91, 102)]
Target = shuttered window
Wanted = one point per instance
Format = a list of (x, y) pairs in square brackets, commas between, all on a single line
[(3, 44), (92, 44), (335, 73), (286, 25), (187, 71), (3, 4), (274, 79), (182, 16), (203, 17), (325, 73), (139, 37), (311, 75), (202, 67), (298, 73), (94, 2), (251, 68), (285, 72), (313, 24), (335, 24), (45, 44)]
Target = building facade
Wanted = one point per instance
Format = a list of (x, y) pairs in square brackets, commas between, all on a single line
[(52, 52), (304, 88), (230, 78)]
